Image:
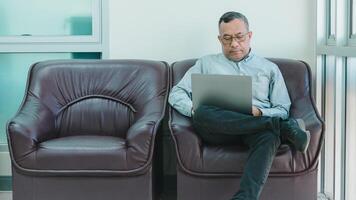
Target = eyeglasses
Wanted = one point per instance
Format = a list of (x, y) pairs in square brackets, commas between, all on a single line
[(227, 39)]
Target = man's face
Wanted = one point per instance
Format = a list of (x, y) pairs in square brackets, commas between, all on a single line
[(235, 39)]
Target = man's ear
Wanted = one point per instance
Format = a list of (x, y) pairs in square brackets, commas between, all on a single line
[(219, 38), (250, 34)]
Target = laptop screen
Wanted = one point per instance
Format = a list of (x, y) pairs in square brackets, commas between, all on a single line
[(230, 92)]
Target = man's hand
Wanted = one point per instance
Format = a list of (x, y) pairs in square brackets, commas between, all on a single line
[(256, 112)]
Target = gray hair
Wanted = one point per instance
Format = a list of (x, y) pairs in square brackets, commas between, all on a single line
[(229, 16)]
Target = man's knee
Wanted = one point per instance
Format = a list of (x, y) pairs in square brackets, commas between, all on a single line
[(197, 114), (201, 114)]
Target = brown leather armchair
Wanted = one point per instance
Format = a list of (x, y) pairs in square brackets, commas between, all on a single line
[(86, 130), (206, 172)]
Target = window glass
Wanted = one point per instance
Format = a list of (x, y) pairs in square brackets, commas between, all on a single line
[(332, 16), (350, 129), (329, 154), (13, 78), (353, 17), (45, 18)]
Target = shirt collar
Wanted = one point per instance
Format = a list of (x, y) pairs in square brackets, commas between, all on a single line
[(247, 57)]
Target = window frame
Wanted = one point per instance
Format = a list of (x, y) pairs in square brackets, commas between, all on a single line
[(351, 29), (94, 38), (98, 42), (342, 46)]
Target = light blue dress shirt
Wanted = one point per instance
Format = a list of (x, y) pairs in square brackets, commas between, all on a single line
[(269, 92)]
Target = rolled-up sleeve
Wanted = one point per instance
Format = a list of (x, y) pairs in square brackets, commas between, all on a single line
[(279, 97)]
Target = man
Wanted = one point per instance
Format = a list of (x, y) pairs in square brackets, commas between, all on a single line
[(262, 131)]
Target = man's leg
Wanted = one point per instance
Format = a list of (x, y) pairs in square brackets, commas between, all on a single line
[(261, 134), (262, 150), (226, 122), (211, 121)]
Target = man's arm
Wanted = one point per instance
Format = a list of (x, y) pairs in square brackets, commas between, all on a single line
[(279, 97), (180, 96), (180, 99)]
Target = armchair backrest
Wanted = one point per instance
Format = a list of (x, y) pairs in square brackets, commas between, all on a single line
[(297, 76), (98, 97), (295, 73)]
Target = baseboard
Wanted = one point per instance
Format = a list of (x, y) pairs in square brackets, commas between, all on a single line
[(5, 183), (5, 164), (5, 170)]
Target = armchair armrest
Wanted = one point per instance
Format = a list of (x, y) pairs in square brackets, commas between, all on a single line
[(33, 123), (297, 75), (305, 109), (188, 143), (140, 139)]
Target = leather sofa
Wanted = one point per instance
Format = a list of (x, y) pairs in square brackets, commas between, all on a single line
[(208, 172), (86, 130), (92, 130)]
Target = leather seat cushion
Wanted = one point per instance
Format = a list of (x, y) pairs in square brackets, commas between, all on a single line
[(85, 152)]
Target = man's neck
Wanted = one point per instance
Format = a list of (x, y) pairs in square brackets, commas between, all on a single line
[(243, 58)]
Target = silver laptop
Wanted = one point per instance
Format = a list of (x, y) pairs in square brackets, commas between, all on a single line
[(230, 92)]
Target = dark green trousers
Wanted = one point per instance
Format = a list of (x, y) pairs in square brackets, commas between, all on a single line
[(261, 134)]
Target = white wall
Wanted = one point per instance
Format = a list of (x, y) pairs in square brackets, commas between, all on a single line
[(175, 30)]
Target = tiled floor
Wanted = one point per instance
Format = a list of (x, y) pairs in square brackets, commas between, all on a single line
[(5, 195)]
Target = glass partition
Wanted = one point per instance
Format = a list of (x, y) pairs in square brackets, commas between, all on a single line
[(332, 17), (46, 18), (329, 118), (13, 78), (353, 18)]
